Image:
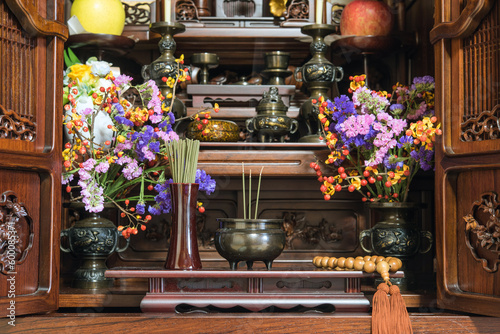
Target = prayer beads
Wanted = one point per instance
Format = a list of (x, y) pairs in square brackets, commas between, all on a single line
[(368, 264)]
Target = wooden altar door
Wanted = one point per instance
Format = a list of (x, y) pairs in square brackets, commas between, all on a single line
[(31, 69), (467, 50)]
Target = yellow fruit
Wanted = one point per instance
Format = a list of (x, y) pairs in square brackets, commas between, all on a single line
[(100, 16)]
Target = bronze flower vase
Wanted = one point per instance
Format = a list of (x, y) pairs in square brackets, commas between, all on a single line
[(92, 240), (183, 249), (396, 233)]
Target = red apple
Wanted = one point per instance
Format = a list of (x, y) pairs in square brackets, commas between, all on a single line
[(365, 18)]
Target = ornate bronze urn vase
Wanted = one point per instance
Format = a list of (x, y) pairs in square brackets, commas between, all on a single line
[(396, 232), (92, 239)]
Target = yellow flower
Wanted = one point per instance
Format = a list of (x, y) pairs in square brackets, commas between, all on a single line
[(80, 72), (356, 182), (357, 82), (371, 169)]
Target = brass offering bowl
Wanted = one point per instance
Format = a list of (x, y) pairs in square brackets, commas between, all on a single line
[(206, 61), (219, 131), (277, 60), (249, 240)]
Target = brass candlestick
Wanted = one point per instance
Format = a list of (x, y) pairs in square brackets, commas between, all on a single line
[(205, 61), (165, 65), (277, 67), (318, 74)]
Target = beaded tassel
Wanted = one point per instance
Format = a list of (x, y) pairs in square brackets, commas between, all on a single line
[(399, 313), (389, 314)]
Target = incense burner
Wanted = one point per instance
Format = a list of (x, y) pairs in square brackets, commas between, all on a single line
[(249, 240)]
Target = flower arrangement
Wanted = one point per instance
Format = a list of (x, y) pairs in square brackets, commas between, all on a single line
[(117, 137), (378, 141)]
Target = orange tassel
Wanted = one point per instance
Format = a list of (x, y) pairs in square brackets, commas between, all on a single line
[(399, 317), (381, 310)]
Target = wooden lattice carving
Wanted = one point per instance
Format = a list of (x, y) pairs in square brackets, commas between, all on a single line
[(13, 126), (16, 232), (484, 127), (481, 81), (482, 231)]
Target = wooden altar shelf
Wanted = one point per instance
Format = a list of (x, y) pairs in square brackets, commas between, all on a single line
[(206, 95), (196, 323), (253, 290)]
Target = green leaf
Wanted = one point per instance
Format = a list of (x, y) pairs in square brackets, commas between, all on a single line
[(70, 58)]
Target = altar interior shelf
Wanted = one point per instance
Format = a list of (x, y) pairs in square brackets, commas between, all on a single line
[(253, 290)]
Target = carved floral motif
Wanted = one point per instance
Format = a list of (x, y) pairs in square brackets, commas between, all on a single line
[(13, 126), (298, 230), (486, 126), (482, 231), (16, 232), (297, 10)]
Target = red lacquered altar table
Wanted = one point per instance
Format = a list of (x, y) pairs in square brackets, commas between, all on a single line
[(254, 290)]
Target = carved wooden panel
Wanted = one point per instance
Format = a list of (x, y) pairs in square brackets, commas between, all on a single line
[(16, 230), (482, 231), (17, 63), (481, 53), (477, 260), (466, 37), (31, 68), (472, 70), (20, 209)]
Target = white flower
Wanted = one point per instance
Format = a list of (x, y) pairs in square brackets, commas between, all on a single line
[(99, 68)]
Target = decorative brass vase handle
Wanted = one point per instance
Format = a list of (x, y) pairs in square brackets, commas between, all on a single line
[(426, 235), (366, 234)]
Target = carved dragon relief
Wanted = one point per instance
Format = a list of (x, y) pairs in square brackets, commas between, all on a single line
[(485, 126), (482, 231), (13, 126), (298, 230), (16, 232)]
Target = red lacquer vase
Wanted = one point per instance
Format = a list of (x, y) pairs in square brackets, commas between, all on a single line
[(183, 251)]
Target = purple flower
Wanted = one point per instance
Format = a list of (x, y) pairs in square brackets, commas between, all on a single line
[(405, 141), (88, 165), (163, 199), (207, 184), (140, 208), (132, 170), (92, 197), (423, 83), (102, 167), (122, 80), (423, 157)]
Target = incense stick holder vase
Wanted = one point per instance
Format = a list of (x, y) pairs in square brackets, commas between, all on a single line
[(250, 240), (183, 251)]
